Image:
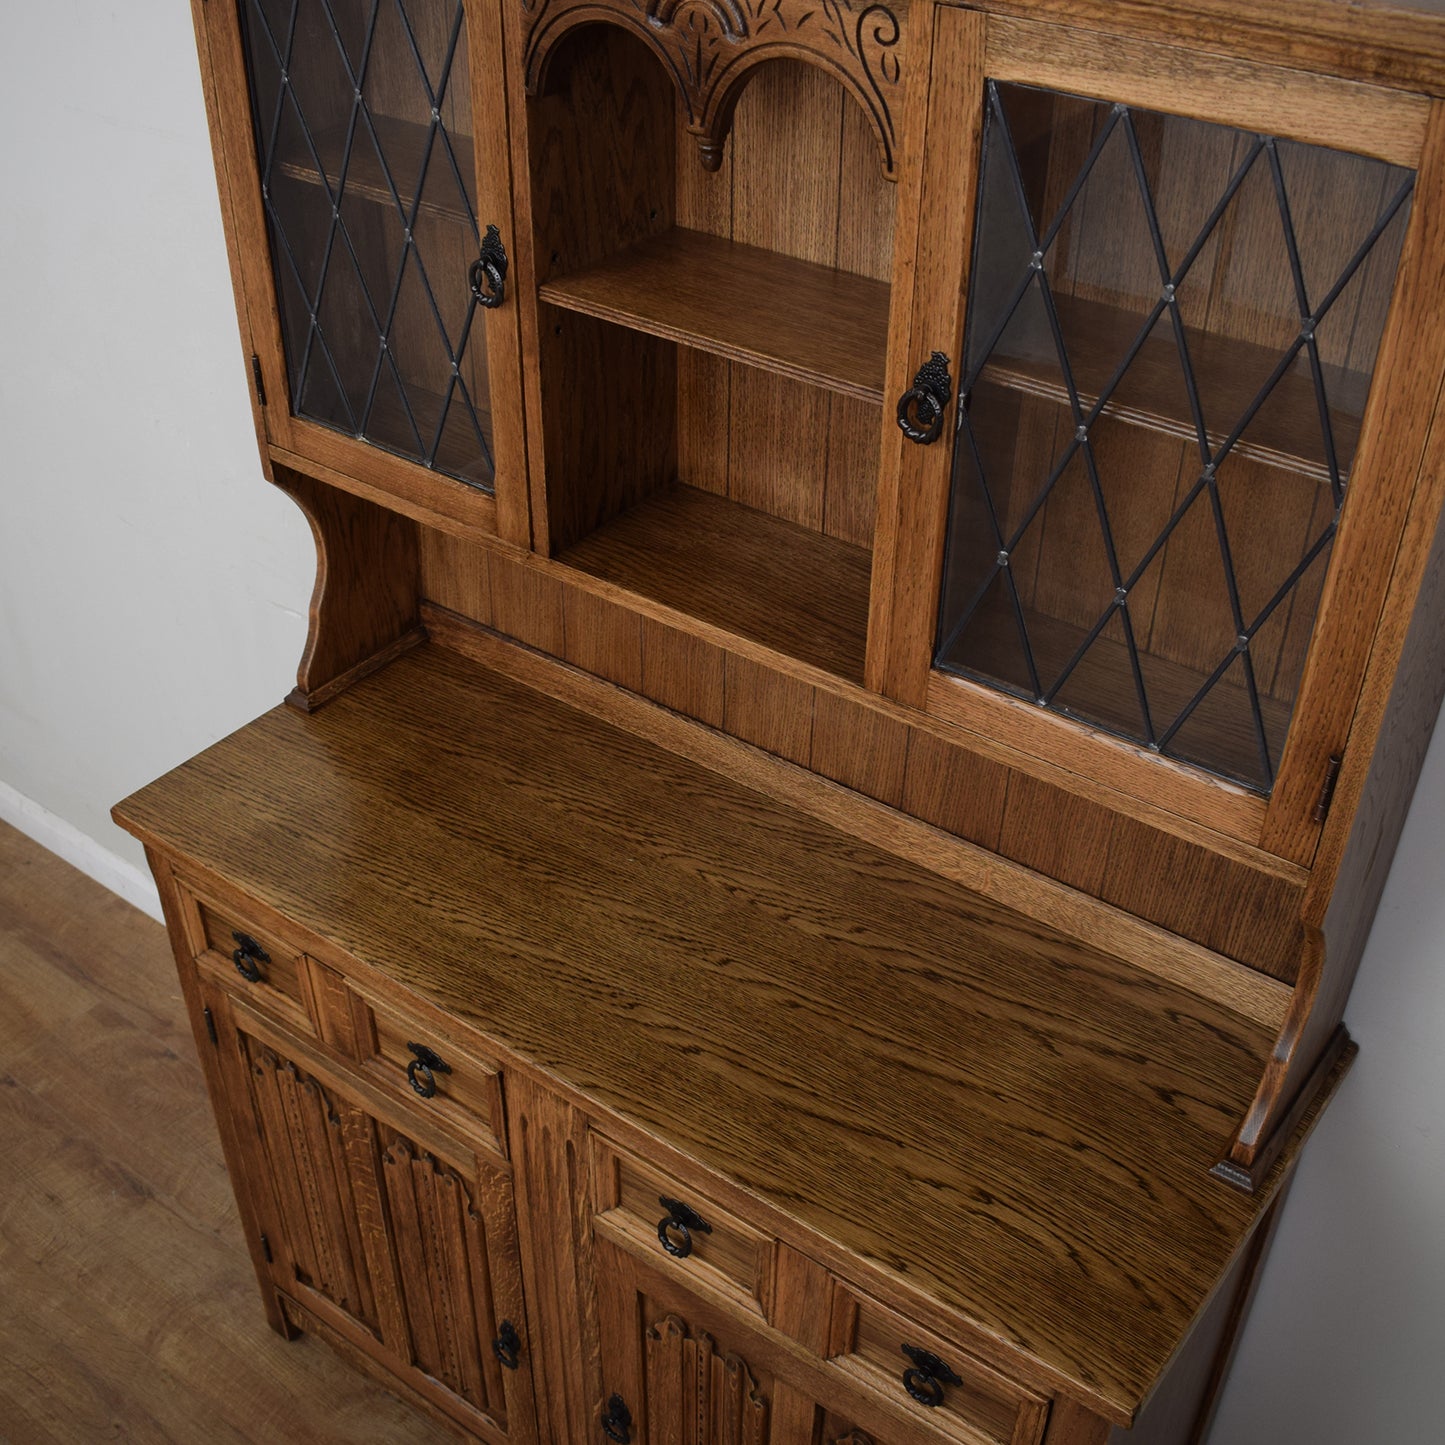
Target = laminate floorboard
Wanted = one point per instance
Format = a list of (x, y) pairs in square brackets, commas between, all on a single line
[(128, 1308)]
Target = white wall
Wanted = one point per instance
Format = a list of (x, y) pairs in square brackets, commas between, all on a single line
[(152, 598), (153, 587)]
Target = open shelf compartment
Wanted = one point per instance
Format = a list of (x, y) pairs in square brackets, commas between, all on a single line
[(713, 344), (816, 324), (787, 587)]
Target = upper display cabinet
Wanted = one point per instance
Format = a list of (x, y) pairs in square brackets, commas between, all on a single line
[(1165, 315), (372, 160), (711, 195), (1170, 339)]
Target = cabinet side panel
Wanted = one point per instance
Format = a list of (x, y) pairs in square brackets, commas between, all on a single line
[(1182, 1406), (218, 1086)]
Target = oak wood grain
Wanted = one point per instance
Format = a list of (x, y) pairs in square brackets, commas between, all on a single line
[(549, 1149), (713, 62), (914, 479), (1099, 757), (724, 562), (1158, 73), (859, 748), (364, 606), (769, 709), (681, 906), (366, 471), (1397, 42), (813, 323), (1148, 947), (598, 169)]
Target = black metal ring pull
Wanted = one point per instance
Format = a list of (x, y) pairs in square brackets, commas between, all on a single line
[(422, 1071), (507, 1347), (925, 1378), (675, 1228), (248, 956), (488, 273), (616, 1420), (921, 407)]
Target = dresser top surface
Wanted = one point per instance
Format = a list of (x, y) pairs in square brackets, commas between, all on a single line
[(1013, 1123)]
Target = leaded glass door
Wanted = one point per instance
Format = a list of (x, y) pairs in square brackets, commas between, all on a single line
[(1170, 338), (1157, 410), (374, 161)]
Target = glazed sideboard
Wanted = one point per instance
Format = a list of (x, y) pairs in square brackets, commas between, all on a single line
[(879, 607)]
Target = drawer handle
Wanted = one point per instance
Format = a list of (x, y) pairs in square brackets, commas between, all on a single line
[(422, 1071), (617, 1420), (508, 1345), (926, 1377), (921, 407), (488, 273), (674, 1229), (247, 956)]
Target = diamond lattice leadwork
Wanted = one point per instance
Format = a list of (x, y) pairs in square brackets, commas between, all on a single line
[(363, 135), (1171, 331)]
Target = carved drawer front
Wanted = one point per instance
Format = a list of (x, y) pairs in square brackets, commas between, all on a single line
[(933, 1382), (660, 1217), (250, 960), (431, 1073)]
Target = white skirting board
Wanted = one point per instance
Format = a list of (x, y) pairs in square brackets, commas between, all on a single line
[(80, 850)]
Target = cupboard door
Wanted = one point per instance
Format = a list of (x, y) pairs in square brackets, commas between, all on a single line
[(1162, 315), (366, 146), (407, 1249), (681, 1370)]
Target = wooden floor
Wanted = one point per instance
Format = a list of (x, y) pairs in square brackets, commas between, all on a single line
[(128, 1308)]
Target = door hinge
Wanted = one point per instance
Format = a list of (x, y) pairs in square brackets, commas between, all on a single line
[(210, 1025), (266, 1249), (1327, 792), (258, 379)]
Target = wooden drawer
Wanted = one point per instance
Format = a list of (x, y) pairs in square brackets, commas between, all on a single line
[(958, 1396), (251, 960), (430, 1072), (655, 1215)]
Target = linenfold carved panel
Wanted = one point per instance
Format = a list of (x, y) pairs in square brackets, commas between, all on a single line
[(710, 46), (319, 1151), (442, 1247), (698, 1397)]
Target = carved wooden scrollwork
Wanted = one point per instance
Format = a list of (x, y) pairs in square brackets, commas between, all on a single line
[(710, 47)]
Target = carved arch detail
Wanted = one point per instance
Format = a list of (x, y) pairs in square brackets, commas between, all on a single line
[(710, 48)]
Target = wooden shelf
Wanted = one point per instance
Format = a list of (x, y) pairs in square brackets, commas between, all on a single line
[(404, 144), (1286, 432), (785, 586), (1221, 727), (818, 325)]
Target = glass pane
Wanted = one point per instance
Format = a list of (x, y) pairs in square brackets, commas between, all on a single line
[(362, 114), (1172, 328)]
